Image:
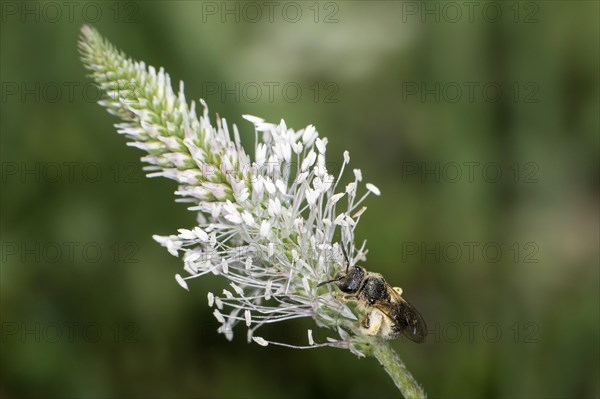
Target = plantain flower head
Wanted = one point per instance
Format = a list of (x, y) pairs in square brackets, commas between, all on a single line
[(271, 225)]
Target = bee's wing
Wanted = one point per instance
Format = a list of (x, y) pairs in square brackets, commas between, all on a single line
[(407, 317), (415, 328), (394, 294)]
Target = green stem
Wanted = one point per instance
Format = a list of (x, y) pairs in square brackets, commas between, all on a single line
[(396, 369)]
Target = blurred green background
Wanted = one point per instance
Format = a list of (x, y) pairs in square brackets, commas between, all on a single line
[(433, 100)]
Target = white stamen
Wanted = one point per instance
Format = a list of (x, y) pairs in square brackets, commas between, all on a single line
[(306, 285), (346, 157), (225, 266), (219, 316), (335, 198), (253, 119), (321, 145), (351, 188), (312, 195), (308, 161), (360, 212), (268, 290), (237, 289), (180, 280), (260, 341), (373, 189)]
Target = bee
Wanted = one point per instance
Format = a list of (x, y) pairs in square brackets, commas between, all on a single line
[(388, 314)]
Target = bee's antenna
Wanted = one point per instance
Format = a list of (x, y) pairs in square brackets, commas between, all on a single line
[(345, 257), (329, 281)]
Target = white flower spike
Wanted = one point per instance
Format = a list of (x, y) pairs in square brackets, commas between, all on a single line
[(275, 288), (270, 226)]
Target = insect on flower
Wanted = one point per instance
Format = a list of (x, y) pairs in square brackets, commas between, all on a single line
[(261, 225), (388, 314)]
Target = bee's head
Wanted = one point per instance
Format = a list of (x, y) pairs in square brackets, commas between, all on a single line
[(350, 282)]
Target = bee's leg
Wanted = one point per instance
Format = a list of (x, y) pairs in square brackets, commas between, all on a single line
[(372, 322), (345, 297), (398, 290)]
